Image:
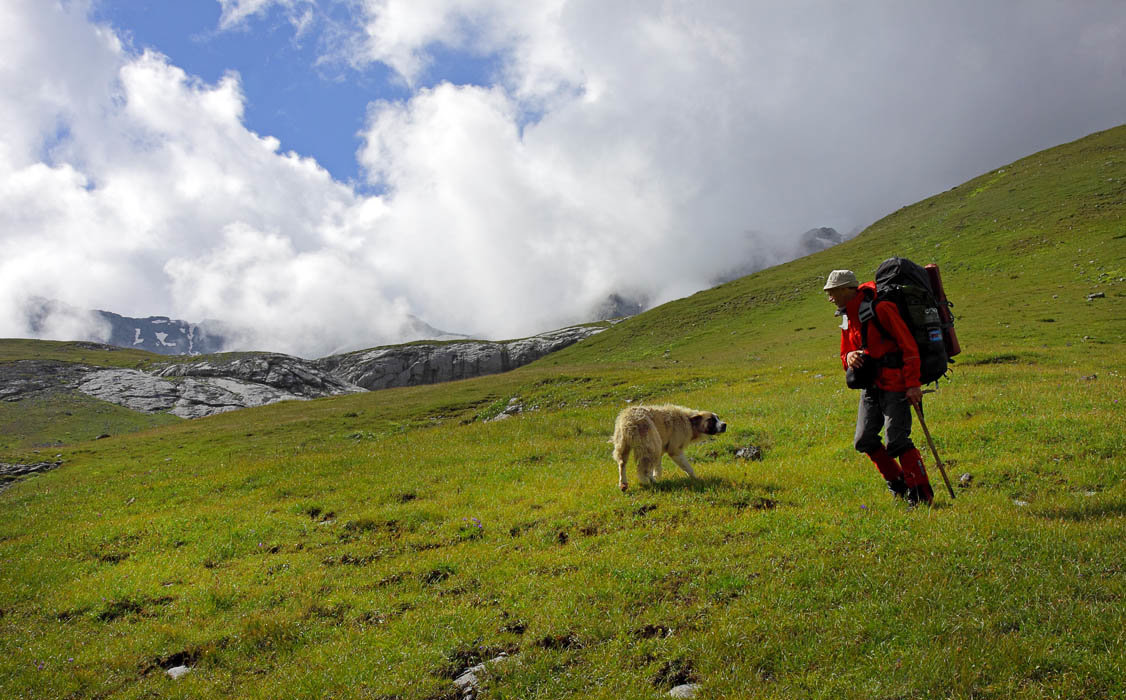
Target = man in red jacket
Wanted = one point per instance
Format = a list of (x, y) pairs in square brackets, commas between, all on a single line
[(887, 402)]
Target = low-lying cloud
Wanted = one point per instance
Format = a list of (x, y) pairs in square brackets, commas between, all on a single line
[(620, 150)]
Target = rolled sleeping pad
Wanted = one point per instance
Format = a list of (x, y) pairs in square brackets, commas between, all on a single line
[(949, 337)]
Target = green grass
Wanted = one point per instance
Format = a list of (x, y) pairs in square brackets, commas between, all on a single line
[(373, 545), (93, 354), (58, 418)]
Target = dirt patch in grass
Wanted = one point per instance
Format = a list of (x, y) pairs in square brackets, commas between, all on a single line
[(996, 359), (559, 642), (127, 607), (652, 632), (438, 574), (676, 672)]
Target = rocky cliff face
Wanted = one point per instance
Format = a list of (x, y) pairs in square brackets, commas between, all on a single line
[(196, 389), (219, 383), (430, 363)]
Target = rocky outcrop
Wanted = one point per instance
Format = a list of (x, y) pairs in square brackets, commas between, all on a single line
[(281, 372), (430, 363), (11, 473), (187, 398), (206, 387), (25, 378), (193, 388)]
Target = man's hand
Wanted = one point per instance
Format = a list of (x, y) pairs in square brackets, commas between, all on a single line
[(855, 358), (915, 395)]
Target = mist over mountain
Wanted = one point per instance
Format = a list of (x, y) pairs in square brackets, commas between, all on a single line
[(52, 319)]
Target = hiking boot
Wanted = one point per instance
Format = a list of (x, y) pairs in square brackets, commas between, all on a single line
[(922, 492), (915, 476), (898, 487)]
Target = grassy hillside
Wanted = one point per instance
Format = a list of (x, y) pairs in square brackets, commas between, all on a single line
[(375, 545)]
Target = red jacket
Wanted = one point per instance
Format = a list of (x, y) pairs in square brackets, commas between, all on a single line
[(890, 378)]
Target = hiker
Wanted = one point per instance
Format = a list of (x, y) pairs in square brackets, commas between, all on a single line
[(889, 357)]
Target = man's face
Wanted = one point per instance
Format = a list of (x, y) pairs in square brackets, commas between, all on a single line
[(841, 295)]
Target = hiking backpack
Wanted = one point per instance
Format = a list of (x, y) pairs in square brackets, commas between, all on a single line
[(908, 286)]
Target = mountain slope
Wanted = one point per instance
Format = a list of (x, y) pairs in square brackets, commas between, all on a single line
[(1007, 243), (380, 544)]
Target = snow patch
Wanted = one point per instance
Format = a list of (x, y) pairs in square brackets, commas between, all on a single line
[(137, 340)]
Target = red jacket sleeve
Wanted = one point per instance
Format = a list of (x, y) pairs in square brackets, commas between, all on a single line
[(893, 323)]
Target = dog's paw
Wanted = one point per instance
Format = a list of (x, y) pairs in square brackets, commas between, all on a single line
[(623, 486)]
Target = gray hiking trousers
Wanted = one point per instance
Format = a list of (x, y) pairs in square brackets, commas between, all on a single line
[(889, 410)]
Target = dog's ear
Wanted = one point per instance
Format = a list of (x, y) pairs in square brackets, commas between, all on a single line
[(697, 420)]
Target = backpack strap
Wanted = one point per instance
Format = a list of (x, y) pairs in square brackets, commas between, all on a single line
[(867, 314)]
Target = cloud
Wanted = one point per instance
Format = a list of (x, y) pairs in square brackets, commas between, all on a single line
[(237, 13), (619, 148)]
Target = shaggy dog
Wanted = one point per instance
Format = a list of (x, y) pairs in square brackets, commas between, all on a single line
[(650, 431)]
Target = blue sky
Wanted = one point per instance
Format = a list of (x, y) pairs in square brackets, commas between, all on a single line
[(315, 106), (320, 175)]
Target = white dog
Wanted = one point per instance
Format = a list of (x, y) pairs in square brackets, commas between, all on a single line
[(651, 431)]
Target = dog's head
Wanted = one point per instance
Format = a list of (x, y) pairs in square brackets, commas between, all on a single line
[(707, 424)]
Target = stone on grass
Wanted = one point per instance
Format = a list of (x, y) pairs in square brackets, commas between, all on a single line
[(178, 671), (467, 682), (749, 452), (688, 690)]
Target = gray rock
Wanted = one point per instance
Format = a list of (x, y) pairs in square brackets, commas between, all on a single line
[(282, 372), (749, 452), (1096, 295), (431, 363), (25, 378), (187, 397), (219, 383), (178, 672), (467, 683), (688, 690), (216, 385), (11, 473)]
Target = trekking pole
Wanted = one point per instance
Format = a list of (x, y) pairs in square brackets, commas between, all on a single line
[(938, 461)]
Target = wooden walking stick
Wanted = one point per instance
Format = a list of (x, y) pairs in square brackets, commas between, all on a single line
[(938, 461)]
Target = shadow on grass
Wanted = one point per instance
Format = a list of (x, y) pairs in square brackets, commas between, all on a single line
[(707, 484), (1084, 512)]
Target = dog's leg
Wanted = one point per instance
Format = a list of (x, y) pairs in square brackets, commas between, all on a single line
[(644, 469), (655, 472), (621, 456), (683, 463)]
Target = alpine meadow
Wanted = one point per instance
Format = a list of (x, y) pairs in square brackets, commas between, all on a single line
[(379, 545)]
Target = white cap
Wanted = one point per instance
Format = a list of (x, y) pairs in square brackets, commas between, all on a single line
[(841, 278)]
